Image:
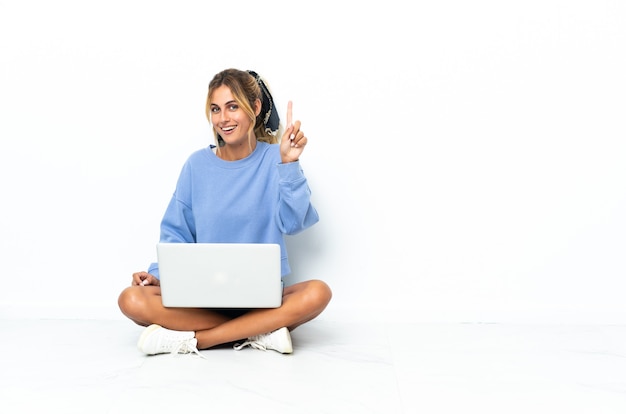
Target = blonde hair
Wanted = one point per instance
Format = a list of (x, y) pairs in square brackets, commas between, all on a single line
[(247, 92)]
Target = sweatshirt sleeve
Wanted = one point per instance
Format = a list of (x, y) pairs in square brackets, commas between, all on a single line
[(295, 212), (178, 224)]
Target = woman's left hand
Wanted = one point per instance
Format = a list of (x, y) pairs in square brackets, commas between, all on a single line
[(293, 140)]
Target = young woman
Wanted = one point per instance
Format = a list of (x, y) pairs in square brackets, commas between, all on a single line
[(248, 188)]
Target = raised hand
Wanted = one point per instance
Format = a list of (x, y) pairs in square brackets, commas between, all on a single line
[(293, 141)]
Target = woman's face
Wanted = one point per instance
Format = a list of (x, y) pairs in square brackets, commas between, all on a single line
[(228, 119)]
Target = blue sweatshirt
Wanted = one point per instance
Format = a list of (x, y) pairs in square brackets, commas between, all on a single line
[(254, 200)]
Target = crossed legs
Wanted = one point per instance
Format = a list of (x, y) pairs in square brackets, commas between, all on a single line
[(302, 302)]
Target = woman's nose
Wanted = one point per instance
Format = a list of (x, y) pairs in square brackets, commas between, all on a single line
[(223, 116)]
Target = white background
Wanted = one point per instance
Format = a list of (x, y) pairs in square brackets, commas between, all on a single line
[(466, 158)]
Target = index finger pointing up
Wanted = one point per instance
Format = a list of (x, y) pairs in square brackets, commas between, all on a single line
[(289, 105)]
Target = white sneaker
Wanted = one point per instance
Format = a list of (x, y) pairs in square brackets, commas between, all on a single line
[(157, 340), (279, 340)]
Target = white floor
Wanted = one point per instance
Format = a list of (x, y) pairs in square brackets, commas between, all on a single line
[(83, 366)]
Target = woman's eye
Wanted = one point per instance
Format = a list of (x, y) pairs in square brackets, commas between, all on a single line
[(215, 109), (233, 107)]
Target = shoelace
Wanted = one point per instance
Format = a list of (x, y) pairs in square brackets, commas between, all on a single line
[(254, 342), (187, 348)]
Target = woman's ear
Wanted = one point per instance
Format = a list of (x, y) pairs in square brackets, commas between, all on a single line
[(257, 107)]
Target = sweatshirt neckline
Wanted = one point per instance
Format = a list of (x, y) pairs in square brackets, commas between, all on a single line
[(237, 163)]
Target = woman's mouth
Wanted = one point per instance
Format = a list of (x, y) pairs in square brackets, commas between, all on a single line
[(228, 129)]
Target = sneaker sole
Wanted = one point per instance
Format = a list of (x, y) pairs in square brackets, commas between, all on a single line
[(146, 332)]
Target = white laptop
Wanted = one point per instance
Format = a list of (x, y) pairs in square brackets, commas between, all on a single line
[(220, 275)]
